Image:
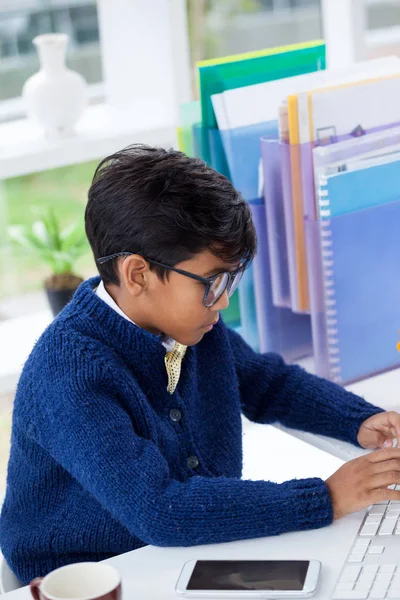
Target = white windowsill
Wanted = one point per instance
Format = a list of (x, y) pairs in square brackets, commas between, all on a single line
[(100, 131)]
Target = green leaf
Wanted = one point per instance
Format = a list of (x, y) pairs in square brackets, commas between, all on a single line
[(70, 231), (74, 237), (25, 238), (39, 229), (17, 233), (53, 232)]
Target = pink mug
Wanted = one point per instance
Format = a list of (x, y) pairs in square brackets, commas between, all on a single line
[(83, 581)]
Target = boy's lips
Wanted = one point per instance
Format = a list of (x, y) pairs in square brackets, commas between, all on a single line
[(210, 325)]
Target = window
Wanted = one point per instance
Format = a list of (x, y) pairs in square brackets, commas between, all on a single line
[(382, 13), (22, 20), (383, 27)]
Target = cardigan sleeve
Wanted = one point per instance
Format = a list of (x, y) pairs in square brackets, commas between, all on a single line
[(274, 391), (91, 435)]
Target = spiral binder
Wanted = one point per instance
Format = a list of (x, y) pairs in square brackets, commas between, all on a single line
[(329, 293), (354, 287)]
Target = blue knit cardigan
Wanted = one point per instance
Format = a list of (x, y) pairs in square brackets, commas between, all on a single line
[(98, 466)]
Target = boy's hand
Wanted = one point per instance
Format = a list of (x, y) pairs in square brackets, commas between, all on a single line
[(379, 431), (364, 481)]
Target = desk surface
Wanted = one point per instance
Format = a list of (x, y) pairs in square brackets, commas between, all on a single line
[(382, 390), (269, 453)]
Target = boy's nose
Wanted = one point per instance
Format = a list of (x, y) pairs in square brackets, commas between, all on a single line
[(222, 303)]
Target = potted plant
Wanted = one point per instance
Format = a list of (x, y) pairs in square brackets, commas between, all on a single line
[(59, 249)]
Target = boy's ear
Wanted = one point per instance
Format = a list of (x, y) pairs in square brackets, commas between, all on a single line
[(133, 272)]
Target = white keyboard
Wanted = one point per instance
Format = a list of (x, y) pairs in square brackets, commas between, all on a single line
[(372, 568)]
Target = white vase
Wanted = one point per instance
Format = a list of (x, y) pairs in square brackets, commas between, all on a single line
[(55, 96)]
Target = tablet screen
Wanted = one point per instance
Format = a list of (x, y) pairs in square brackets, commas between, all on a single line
[(249, 575)]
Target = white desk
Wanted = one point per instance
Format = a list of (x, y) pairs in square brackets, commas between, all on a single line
[(151, 573), (382, 390)]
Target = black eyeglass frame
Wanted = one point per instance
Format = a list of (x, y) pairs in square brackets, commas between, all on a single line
[(207, 281)]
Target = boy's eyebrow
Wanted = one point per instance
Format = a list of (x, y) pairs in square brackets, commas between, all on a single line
[(219, 270)]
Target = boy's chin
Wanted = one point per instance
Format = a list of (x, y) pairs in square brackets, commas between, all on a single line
[(194, 339)]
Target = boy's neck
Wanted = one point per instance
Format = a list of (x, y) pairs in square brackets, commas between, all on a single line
[(125, 302)]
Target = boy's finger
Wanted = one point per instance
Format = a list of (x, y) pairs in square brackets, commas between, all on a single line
[(384, 454)]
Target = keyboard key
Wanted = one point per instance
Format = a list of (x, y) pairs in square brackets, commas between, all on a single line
[(376, 549), (377, 593), (388, 568), (353, 595), (378, 509), (344, 585), (394, 593), (392, 513), (384, 503), (361, 546), (370, 569), (396, 580), (370, 529), (366, 579), (373, 519), (350, 574), (362, 543), (355, 558), (363, 586), (387, 527), (383, 579)]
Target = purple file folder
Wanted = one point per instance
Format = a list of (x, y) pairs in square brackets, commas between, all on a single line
[(355, 292), (275, 216), (279, 329)]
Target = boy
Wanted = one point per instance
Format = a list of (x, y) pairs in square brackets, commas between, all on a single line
[(127, 418)]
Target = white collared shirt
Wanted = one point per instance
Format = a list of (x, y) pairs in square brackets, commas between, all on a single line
[(102, 293)]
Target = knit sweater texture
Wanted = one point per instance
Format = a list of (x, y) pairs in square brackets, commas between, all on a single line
[(99, 464)]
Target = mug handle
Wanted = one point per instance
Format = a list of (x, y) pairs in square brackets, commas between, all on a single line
[(34, 585)]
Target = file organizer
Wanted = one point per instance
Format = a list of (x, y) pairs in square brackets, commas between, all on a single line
[(355, 190), (246, 113), (247, 306), (307, 210), (241, 117), (197, 140), (275, 222), (334, 158), (242, 145), (279, 329), (243, 153), (355, 291), (190, 114), (232, 313), (344, 112), (217, 153), (285, 155), (325, 116), (258, 103), (226, 73)]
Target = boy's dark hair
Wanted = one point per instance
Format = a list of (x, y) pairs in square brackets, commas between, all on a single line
[(165, 206)]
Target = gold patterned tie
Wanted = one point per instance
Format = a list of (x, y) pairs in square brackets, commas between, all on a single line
[(173, 360)]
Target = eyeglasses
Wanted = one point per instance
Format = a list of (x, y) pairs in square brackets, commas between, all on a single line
[(215, 286)]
